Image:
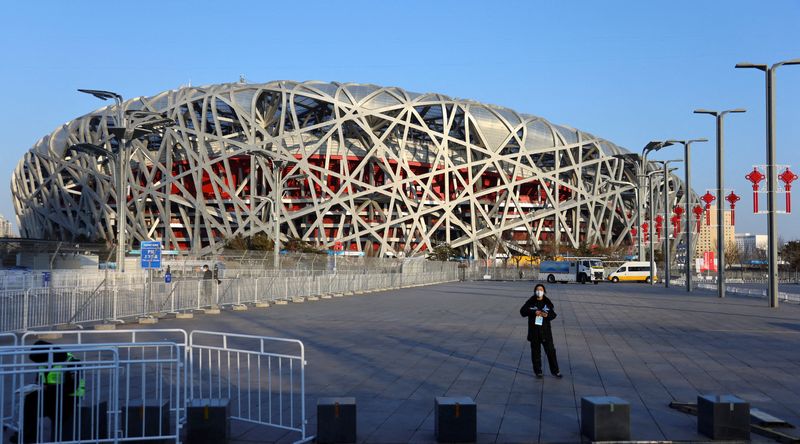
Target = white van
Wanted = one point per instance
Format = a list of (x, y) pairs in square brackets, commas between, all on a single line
[(634, 272)]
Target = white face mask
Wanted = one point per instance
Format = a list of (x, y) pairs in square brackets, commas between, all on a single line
[(539, 293)]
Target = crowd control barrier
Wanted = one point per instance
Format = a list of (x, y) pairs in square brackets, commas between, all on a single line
[(262, 377), (155, 375)]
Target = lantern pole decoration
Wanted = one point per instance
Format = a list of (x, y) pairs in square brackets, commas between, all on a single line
[(732, 199), (659, 221), (787, 177), (698, 212), (708, 198), (756, 177)]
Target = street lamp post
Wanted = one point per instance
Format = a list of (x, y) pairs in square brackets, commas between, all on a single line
[(630, 184), (277, 180), (125, 134), (277, 167), (650, 205), (687, 144), (667, 261), (720, 115), (652, 146), (121, 212), (772, 175)]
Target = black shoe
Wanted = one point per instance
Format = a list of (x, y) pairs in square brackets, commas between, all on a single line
[(539, 376), (558, 375)]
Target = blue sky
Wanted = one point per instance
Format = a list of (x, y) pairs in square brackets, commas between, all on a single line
[(629, 71)]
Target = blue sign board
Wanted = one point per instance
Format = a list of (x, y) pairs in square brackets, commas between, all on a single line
[(151, 254), (167, 278), (46, 279)]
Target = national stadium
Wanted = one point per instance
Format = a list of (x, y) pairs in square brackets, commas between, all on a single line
[(379, 171)]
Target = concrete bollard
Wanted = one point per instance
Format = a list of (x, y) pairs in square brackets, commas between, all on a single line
[(146, 418), (208, 421), (723, 417), (605, 418), (455, 419), (336, 420)]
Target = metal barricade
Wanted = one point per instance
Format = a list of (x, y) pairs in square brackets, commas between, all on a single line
[(263, 387), (75, 388), (141, 351)]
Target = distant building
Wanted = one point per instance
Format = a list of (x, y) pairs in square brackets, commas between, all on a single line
[(751, 246), (5, 227), (707, 238)]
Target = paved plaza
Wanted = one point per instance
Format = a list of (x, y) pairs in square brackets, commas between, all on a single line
[(395, 351)]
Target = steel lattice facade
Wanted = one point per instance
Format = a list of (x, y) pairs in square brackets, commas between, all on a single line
[(381, 170)]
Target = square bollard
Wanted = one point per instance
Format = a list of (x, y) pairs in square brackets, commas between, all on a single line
[(208, 421), (605, 418), (723, 417), (148, 418), (336, 420), (93, 421), (455, 419)]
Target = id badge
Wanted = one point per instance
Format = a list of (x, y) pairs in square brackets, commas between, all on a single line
[(539, 320)]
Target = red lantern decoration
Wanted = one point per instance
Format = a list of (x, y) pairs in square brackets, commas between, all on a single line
[(708, 198), (645, 232), (679, 210), (698, 212), (787, 177), (732, 199), (756, 177), (659, 221), (676, 222), (633, 232)]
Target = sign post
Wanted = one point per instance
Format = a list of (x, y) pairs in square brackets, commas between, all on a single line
[(150, 260)]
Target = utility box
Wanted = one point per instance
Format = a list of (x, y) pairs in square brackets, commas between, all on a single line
[(146, 418), (723, 417), (455, 419), (208, 421), (605, 418), (336, 420)]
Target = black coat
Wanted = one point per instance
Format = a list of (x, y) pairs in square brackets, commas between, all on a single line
[(538, 333)]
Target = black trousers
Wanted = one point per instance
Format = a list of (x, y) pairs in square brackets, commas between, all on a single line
[(536, 356), (54, 407)]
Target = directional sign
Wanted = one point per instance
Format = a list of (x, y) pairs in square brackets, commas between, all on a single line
[(151, 254)]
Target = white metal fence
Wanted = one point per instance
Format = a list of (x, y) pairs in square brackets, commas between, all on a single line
[(146, 388), (754, 292), (34, 411), (44, 307), (263, 378)]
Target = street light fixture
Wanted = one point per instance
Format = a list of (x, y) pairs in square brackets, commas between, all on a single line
[(687, 144), (277, 167), (143, 123), (651, 208), (772, 174), (719, 116), (650, 147), (667, 253), (121, 214), (609, 180)]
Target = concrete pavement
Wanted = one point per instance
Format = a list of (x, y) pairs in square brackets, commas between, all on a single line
[(395, 351)]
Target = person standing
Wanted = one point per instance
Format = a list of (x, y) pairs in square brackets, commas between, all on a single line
[(208, 288), (540, 311)]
